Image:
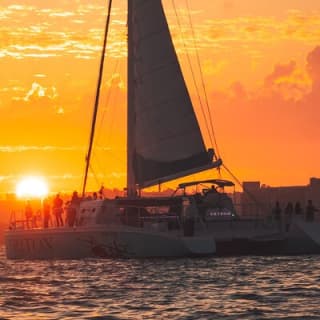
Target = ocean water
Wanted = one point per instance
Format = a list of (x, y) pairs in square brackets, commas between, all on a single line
[(207, 288)]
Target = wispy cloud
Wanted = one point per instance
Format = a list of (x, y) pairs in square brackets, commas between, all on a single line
[(25, 148), (28, 31), (243, 30), (37, 91)]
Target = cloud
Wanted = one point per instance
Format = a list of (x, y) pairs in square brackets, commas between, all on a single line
[(284, 106), (279, 72), (38, 92), (238, 91), (116, 81), (211, 68), (313, 65), (288, 81), (37, 32), (313, 69), (247, 30), (27, 148), (43, 99), (23, 148)]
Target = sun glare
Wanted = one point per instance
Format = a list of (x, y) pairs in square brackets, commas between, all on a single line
[(32, 187)]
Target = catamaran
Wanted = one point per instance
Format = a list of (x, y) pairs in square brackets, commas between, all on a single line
[(161, 120), (164, 142)]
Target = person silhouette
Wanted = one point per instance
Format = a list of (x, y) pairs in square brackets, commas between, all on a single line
[(276, 214), (28, 211), (58, 210), (310, 211), (73, 208), (46, 212), (298, 209), (288, 212), (277, 211)]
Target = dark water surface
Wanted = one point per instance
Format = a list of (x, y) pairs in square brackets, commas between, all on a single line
[(210, 288)]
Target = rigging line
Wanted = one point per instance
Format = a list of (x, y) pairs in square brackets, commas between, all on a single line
[(107, 102), (192, 73), (202, 79), (95, 176), (241, 185), (108, 139), (110, 132), (94, 157), (94, 117), (99, 165)]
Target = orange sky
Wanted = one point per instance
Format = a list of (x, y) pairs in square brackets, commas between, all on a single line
[(261, 65)]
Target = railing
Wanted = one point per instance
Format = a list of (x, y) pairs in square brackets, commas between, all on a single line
[(35, 222)]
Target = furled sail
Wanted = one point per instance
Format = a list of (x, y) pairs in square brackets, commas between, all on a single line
[(164, 138)]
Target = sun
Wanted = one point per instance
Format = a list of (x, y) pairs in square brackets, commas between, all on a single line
[(32, 187)]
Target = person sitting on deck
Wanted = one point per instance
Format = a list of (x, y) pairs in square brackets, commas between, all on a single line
[(58, 210)]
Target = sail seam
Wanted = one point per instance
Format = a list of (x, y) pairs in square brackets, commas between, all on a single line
[(156, 68)]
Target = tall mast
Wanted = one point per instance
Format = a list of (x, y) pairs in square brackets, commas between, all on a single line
[(131, 181), (96, 104)]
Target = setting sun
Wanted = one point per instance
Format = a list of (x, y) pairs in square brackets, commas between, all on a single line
[(33, 187)]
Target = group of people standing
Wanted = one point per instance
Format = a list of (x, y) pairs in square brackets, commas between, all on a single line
[(54, 210), (287, 213)]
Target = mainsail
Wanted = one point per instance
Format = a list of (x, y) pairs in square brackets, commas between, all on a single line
[(164, 138)]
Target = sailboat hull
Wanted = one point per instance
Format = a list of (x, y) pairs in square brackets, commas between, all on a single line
[(102, 242), (246, 237)]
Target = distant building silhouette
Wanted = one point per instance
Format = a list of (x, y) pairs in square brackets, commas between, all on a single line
[(260, 198)]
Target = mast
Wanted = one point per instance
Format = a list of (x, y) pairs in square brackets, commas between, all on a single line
[(96, 104), (131, 181)]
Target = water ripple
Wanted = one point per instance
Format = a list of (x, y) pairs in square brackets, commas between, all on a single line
[(212, 288)]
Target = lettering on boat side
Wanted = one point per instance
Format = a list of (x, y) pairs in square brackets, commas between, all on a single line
[(218, 213), (30, 245)]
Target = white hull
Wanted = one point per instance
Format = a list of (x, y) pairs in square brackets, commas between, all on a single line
[(102, 241)]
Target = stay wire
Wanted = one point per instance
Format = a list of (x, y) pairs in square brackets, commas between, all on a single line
[(98, 182), (202, 79), (192, 73), (241, 185), (107, 104), (96, 104)]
